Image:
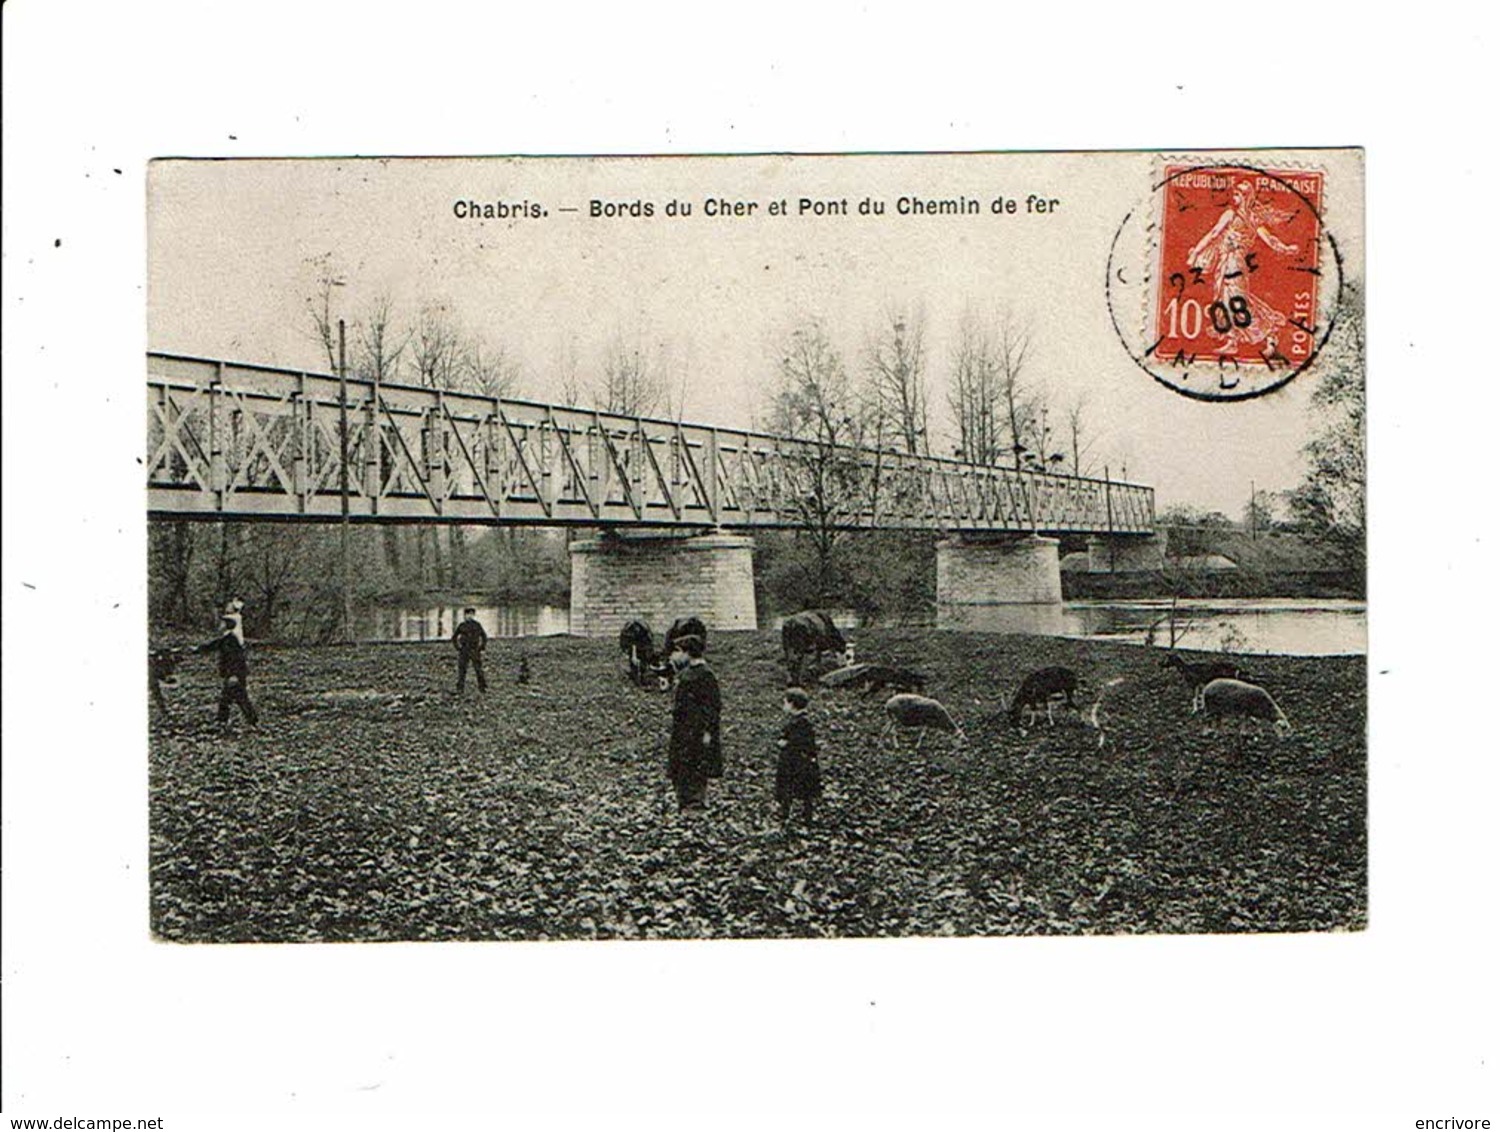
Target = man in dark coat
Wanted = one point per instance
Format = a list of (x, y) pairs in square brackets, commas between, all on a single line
[(797, 775), (469, 640), (695, 753), (233, 670)]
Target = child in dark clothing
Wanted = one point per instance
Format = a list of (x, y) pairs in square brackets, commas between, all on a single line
[(797, 774), (469, 639), (233, 669)]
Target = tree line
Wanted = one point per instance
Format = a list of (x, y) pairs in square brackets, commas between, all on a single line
[(1001, 413)]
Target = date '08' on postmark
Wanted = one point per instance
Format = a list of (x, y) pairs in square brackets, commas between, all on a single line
[(1238, 277)]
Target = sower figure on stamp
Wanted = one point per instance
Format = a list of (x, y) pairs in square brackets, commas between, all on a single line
[(798, 778), (1226, 253), (469, 639), (234, 669), (695, 753)]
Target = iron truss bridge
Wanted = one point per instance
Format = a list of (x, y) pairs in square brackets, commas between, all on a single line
[(234, 441)]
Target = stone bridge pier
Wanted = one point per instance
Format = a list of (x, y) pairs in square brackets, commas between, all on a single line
[(1127, 554), (999, 583), (659, 577)]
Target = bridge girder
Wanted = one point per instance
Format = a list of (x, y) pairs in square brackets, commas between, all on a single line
[(233, 441)]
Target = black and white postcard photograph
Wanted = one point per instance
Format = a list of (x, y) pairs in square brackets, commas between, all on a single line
[(675, 568), (720, 547)]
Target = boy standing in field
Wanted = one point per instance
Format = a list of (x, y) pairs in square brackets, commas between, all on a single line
[(234, 670), (797, 775), (695, 751), (469, 639)]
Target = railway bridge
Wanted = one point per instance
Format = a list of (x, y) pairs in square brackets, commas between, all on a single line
[(667, 509)]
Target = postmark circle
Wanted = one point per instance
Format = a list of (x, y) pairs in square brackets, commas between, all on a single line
[(1224, 282)]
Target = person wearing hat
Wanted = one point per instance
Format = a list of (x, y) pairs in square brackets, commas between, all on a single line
[(695, 753), (233, 669), (469, 639)]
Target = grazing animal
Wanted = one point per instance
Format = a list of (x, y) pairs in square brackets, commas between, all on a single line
[(849, 676), (879, 677), (164, 664), (1236, 697), (1038, 691), (811, 632), (1196, 676), (639, 649), (872, 678), (906, 710)]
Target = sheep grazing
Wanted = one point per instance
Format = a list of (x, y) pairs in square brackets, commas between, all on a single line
[(1225, 697), (1197, 676), (906, 710), (1039, 691)]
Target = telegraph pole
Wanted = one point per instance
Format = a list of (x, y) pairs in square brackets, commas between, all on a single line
[(344, 489)]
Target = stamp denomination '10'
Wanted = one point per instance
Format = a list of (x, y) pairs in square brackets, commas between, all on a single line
[(1238, 279)]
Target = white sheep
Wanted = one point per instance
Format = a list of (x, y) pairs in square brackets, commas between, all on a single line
[(1236, 697), (908, 710)]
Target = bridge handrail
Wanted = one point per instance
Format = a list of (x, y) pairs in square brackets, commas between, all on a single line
[(624, 424)]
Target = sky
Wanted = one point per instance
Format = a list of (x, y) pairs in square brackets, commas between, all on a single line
[(236, 250)]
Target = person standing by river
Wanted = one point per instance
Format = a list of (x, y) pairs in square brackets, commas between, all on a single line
[(695, 753), (469, 639)]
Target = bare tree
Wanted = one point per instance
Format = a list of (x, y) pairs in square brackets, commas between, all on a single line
[(895, 357), (320, 307), (1078, 436), (1020, 404), (380, 343), (813, 400), (971, 391), (569, 386), (490, 370), (631, 384), (435, 348)]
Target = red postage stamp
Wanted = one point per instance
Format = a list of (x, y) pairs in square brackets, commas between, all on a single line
[(1239, 269)]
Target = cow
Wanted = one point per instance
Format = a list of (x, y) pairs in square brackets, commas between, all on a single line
[(811, 632), (639, 649)]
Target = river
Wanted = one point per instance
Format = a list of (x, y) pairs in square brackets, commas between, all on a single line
[(1287, 626)]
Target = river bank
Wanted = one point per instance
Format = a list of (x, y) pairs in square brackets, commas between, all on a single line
[(374, 803)]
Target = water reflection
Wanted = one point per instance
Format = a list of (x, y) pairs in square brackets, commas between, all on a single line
[(1267, 625), (1033, 620), (1264, 625), (437, 622)]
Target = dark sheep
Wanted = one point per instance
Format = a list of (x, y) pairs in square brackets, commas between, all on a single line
[(872, 678), (1196, 676), (1038, 691), (639, 649), (810, 633)]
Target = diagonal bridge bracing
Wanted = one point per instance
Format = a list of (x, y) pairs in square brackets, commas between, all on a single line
[(234, 441)]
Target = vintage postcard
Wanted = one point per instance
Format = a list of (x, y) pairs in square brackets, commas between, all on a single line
[(760, 546)]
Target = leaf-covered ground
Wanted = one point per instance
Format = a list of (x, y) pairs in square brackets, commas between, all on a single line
[(375, 804)]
